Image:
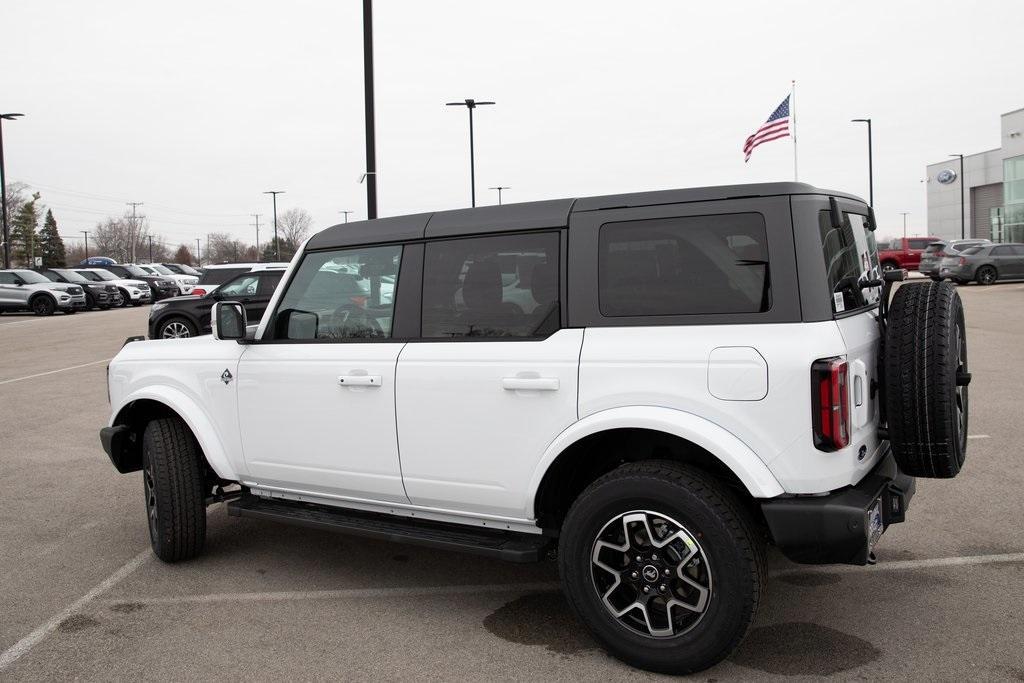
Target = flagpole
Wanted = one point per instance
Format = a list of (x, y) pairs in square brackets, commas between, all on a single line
[(792, 112)]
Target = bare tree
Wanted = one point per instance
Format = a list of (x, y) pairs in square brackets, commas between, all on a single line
[(294, 225), (223, 248)]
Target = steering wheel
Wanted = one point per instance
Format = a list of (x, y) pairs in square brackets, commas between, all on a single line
[(356, 321)]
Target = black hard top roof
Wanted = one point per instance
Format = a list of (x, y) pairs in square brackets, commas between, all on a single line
[(552, 213)]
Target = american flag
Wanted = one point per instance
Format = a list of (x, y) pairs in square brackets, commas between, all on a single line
[(777, 126)]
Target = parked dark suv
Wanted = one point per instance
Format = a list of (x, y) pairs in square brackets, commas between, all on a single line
[(189, 316), (102, 295), (162, 287)]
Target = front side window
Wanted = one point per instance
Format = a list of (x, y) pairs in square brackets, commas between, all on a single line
[(340, 294), (504, 286), (7, 278), (31, 277), (685, 265), (243, 286), (1002, 251)]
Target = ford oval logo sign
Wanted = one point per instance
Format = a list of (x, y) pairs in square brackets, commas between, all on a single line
[(946, 176)]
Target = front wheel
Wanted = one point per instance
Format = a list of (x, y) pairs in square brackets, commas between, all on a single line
[(173, 485), (176, 328), (43, 305), (661, 564), (126, 300)]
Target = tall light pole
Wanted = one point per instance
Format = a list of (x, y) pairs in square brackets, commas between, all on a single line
[(904, 214), (257, 217), (346, 212), (199, 254), (871, 170), (499, 188), (371, 139), (3, 190), (277, 242), (470, 105), (963, 223), (133, 233), (86, 243)]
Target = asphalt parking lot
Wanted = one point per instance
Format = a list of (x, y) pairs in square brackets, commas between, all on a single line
[(83, 598)]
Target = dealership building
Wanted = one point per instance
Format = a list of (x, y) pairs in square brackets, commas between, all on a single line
[(992, 185)]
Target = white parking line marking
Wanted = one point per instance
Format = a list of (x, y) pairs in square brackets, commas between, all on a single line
[(22, 647), (342, 594), (978, 436), (53, 372)]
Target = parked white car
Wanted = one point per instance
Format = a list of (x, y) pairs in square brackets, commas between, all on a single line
[(134, 292), (653, 385), (185, 282)]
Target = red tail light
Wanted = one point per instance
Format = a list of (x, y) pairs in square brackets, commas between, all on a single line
[(830, 397), (199, 291)]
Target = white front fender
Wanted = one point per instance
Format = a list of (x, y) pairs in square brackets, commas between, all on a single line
[(732, 452), (204, 429)]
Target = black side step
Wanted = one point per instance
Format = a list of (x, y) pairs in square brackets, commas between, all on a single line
[(504, 545)]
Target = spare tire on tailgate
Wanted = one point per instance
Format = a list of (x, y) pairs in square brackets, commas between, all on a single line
[(926, 379)]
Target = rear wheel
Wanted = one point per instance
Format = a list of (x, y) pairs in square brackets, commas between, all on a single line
[(926, 377), (661, 565), (176, 328), (174, 491), (43, 305), (986, 275)]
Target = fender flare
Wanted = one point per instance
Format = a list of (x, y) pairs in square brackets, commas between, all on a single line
[(722, 444), (44, 292), (189, 411)]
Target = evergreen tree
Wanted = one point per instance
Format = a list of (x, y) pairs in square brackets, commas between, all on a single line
[(23, 233), (183, 256), (51, 246), (288, 249)]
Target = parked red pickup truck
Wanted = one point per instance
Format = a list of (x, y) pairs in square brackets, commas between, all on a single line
[(903, 252)]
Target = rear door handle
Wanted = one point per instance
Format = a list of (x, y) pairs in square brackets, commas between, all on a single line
[(530, 383), (359, 380)]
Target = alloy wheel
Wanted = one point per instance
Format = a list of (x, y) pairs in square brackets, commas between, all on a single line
[(175, 330), (149, 486), (651, 574)]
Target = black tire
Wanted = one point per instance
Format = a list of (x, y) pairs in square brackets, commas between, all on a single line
[(926, 377), (935, 278), (889, 265), (733, 566), (43, 305), (174, 490), (70, 311), (962, 282), (176, 328), (126, 300), (90, 302), (986, 275)]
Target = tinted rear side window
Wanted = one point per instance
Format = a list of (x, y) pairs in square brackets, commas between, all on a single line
[(850, 255), (684, 265), (935, 248), (218, 276), (918, 244), (502, 286)]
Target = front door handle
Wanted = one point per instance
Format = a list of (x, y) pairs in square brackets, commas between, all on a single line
[(359, 380), (530, 383)]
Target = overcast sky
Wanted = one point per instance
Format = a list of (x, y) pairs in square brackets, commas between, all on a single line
[(195, 108)]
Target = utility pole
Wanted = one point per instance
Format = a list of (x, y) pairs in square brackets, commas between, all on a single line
[(871, 170), (963, 224), (257, 224), (207, 246), (277, 242), (470, 104), (150, 248), (371, 138), (904, 214), (6, 237), (199, 254), (499, 188), (86, 242), (346, 212), (133, 231)]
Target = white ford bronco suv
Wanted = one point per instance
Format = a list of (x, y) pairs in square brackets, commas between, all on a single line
[(653, 386)]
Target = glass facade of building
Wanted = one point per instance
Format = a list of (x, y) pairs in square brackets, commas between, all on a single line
[(1012, 218)]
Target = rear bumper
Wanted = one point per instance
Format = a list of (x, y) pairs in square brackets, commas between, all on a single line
[(837, 528)]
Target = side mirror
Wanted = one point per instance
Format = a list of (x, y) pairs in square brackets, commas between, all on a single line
[(18, 281), (228, 320)]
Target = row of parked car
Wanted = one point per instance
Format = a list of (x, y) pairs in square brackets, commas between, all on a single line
[(962, 261)]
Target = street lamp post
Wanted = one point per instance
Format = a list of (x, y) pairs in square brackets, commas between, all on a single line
[(277, 242), (346, 212), (257, 217), (499, 188), (963, 222), (871, 170), (904, 214), (470, 105), (368, 112), (3, 190), (86, 243), (199, 254)]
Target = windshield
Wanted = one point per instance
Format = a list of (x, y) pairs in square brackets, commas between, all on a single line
[(31, 277), (160, 269), (70, 275), (102, 274), (183, 269)]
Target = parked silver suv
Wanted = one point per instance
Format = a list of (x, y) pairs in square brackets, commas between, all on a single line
[(28, 290)]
